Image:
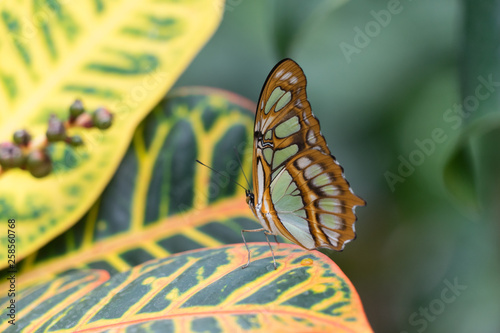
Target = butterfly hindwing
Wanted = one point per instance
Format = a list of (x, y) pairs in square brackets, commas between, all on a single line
[(301, 192)]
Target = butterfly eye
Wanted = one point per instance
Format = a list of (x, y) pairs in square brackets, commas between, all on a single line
[(250, 198)]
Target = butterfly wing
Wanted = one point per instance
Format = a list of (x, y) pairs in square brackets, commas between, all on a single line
[(300, 189)]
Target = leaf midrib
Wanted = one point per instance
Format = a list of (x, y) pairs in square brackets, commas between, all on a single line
[(190, 312)]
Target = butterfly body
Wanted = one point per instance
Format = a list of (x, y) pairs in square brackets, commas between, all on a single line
[(299, 188)]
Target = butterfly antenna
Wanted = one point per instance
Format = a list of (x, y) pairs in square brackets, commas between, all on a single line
[(220, 173), (239, 161)]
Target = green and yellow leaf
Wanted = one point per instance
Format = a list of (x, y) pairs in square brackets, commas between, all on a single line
[(200, 291), (123, 55), (160, 201)]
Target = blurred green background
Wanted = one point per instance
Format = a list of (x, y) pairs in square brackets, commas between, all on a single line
[(427, 254)]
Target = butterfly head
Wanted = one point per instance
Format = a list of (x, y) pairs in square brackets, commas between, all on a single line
[(251, 201), (250, 198)]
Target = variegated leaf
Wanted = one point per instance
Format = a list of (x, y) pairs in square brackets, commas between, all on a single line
[(161, 201), (123, 55), (200, 291)]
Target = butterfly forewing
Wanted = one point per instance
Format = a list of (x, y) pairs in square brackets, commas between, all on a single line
[(300, 189)]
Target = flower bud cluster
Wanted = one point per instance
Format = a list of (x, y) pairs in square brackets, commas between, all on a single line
[(24, 154)]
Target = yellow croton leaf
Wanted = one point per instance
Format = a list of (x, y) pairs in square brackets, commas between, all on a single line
[(121, 55), (160, 201), (203, 290)]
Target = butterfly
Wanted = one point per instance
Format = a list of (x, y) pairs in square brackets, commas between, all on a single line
[(300, 191)]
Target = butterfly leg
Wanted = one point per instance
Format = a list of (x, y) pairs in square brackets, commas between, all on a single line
[(244, 241), (272, 252)]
